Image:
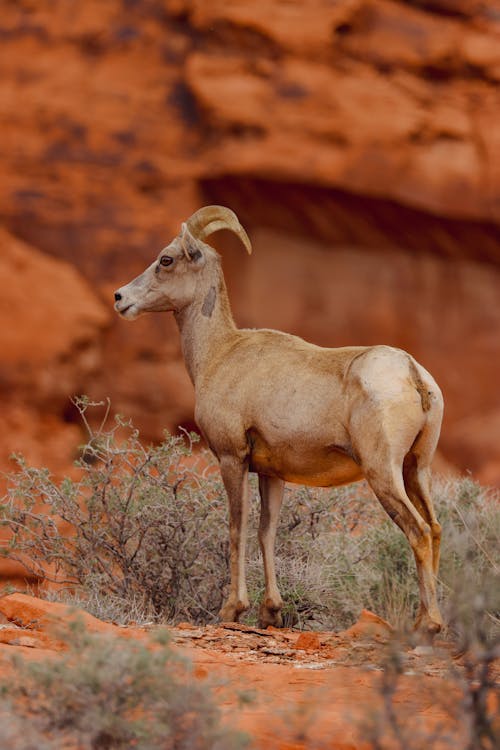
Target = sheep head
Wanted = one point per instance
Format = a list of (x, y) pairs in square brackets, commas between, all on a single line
[(171, 282)]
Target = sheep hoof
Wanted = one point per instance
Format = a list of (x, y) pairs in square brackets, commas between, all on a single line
[(231, 611), (270, 614), (428, 627)]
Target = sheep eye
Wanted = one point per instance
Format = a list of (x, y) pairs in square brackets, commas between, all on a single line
[(166, 260)]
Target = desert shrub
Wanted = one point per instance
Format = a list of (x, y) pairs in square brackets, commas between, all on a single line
[(18, 734), (140, 526), (107, 693), (339, 553), (470, 559), (470, 593), (468, 703), (148, 539)]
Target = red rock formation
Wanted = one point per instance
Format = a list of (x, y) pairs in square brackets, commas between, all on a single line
[(307, 689), (51, 344), (363, 133)]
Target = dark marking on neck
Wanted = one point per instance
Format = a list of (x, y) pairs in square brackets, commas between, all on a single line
[(209, 302)]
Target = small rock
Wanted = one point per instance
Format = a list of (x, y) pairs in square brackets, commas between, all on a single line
[(315, 665), (307, 642), (32, 612), (277, 651), (240, 627), (369, 625), (192, 635), (25, 640), (423, 651)]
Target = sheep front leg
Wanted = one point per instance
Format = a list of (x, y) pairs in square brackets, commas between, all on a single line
[(271, 497), (235, 478)]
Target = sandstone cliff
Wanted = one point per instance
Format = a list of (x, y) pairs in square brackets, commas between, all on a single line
[(357, 139)]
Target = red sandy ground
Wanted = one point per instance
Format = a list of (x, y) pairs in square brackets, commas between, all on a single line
[(307, 688)]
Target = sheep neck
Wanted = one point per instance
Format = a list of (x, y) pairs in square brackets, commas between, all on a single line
[(205, 325)]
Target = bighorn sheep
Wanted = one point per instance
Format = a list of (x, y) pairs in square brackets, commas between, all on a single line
[(271, 403)]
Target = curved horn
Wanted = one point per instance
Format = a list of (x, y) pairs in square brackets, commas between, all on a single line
[(210, 219)]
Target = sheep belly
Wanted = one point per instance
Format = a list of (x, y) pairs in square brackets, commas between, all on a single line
[(329, 466)]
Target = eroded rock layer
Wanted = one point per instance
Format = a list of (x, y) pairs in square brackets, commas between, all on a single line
[(357, 139)]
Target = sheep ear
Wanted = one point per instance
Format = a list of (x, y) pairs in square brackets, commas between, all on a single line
[(192, 248)]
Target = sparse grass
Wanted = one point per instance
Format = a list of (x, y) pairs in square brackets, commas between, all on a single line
[(466, 703), (149, 539), (107, 693)]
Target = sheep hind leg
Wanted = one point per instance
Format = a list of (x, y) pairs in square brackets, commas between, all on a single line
[(390, 490), (235, 478), (417, 484), (271, 496)]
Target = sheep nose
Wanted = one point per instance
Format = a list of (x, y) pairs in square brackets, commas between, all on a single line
[(118, 296)]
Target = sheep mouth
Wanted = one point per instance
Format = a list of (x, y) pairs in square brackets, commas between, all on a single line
[(124, 310)]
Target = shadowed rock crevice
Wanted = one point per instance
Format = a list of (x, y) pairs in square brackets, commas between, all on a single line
[(341, 218)]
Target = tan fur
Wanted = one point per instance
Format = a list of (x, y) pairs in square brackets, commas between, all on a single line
[(419, 385), (271, 403)]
